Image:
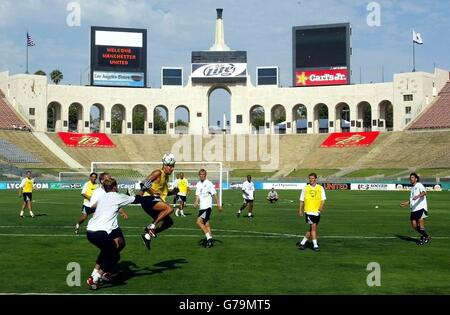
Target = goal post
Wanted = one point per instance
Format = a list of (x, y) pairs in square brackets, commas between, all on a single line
[(131, 174)]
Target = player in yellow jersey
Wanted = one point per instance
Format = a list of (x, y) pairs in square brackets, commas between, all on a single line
[(155, 191), (26, 190), (88, 189), (312, 201), (183, 189)]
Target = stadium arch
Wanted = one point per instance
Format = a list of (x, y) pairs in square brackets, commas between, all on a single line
[(364, 116), (214, 95), (160, 119), (54, 122), (321, 118), (386, 115), (97, 118), (118, 119), (75, 118), (342, 117), (257, 119), (300, 118), (278, 119), (139, 119), (182, 119)]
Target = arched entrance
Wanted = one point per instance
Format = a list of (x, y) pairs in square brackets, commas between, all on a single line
[(75, 117), (257, 120), (342, 117), (182, 119), (160, 114), (97, 118), (320, 118), (386, 116), (364, 120), (219, 110), (278, 118), (300, 118), (139, 120), (118, 118), (54, 117)]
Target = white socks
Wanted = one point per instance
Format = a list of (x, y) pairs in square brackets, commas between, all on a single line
[(208, 236), (315, 243)]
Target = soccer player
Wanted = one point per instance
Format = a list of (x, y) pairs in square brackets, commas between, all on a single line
[(104, 232), (155, 191), (26, 191), (88, 189), (312, 201), (175, 185), (419, 208), (100, 191), (272, 196), (203, 199), (183, 189), (248, 189)]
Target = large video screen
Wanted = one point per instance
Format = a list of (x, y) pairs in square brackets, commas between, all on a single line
[(118, 57), (322, 51)]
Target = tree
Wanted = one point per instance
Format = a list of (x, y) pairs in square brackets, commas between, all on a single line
[(181, 122), (257, 117), (40, 72), (56, 76), (139, 119), (51, 118), (278, 114), (117, 116), (160, 123), (73, 117), (300, 112)]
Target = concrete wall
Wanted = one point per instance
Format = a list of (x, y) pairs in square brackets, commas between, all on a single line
[(31, 91)]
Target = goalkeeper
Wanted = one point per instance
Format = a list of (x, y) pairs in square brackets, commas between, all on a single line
[(154, 190)]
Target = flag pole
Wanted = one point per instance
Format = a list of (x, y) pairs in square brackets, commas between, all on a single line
[(414, 57), (26, 43)]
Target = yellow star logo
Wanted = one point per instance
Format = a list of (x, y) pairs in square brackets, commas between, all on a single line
[(301, 79)]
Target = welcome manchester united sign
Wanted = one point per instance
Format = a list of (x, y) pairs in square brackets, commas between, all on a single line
[(92, 140)]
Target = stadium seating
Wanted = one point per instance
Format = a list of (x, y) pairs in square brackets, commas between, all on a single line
[(13, 154), (28, 143), (8, 118), (437, 116)]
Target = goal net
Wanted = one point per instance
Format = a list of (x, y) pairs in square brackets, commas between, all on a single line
[(131, 174)]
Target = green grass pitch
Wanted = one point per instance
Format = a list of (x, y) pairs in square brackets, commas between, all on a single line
[(250, 256)]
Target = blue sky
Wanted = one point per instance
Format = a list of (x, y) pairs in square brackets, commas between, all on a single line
[(261, 27)]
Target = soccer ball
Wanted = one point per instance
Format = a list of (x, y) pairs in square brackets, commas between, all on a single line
[(168, 159)]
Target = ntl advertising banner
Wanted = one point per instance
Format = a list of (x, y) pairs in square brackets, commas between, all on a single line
[(350, 139), (321, 77), (97, 140)]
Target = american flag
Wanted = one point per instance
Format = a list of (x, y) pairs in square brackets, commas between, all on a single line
[(30, 41)]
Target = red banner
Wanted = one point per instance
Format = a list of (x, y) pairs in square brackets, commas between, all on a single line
[(350, 139), (92, 140), (321, 77)]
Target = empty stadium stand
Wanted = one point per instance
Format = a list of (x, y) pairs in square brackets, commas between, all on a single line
[(390, 150), (437, 115), (27, 142), (13, 154), (9, 119)]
